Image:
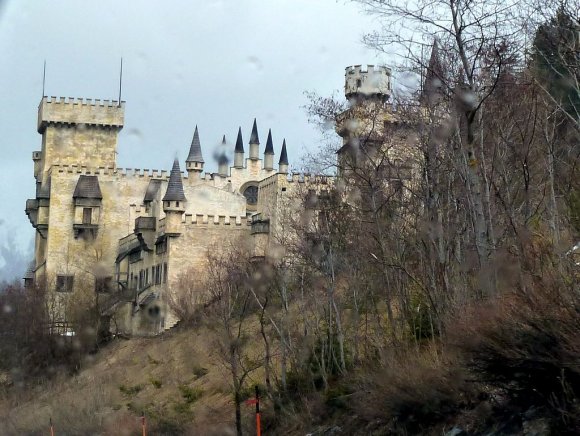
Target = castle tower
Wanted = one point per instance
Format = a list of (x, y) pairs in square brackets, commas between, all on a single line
[(77, 131), (374, 83), (174, 201), (269, 153), (223, 160), (194, 162), (283, 163), (239, 151), (254, 143)]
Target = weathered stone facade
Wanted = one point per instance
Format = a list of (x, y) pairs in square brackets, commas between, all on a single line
[(128, 234)]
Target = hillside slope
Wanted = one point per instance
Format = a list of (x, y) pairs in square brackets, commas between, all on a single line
[(169, 378)]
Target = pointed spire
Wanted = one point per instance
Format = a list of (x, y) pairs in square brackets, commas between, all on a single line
[(175, 186), (239, 142), (435, 72), (269, 146), (283, 154), (254, 139), (195, 149), (222, 159)]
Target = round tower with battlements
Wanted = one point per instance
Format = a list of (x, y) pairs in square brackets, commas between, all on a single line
[(372, 82)]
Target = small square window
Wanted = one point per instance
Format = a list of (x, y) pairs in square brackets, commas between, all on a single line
[(64, 283), (103, 284)]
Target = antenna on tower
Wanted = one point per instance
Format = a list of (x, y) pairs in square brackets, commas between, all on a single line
[(43, 78), (120, 81)]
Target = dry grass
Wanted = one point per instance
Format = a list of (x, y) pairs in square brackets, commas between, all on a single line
[(527, 346), (103, 398), (413, 391)]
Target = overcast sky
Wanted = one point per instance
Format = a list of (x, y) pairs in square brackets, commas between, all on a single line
[(214, 63)]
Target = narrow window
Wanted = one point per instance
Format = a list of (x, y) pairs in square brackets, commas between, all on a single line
[(165, 273), (358, 83), (87, 215)]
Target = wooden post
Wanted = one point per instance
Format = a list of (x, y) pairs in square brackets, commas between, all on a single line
[(143, 427), (51, 427)]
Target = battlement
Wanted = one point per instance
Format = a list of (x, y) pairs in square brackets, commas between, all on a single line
[(370, 81), (209, 220), (121, 172), (299, 178), (206, 178), (75, 111), (224, 220), (137, 209)]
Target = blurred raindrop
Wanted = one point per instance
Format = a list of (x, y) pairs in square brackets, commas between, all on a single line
[(467, 99), (255, 63), (352, 125), (135, 134), (328, 125)]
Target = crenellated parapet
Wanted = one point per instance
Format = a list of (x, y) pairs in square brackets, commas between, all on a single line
[(110, 171), (215, 220), (297, 178), (74, 112), (372, 81)]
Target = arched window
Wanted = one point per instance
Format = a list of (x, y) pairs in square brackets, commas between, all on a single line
[(251, 194)]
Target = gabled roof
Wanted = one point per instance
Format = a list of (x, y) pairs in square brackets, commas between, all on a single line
[(269, 146), (254, 139), (88, 187), (239, 142), (152, 190), (283, 154), (195, 149), (175, 186)]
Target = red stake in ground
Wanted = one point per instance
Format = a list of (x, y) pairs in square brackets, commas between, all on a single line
[(256, 401)]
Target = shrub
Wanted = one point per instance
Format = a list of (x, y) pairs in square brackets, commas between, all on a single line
[(413, 392), (130, 390), (199, 371), (190, 394), (529, 347), (156, 383)]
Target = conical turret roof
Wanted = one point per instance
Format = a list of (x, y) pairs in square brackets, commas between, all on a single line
[(195, 149), (435, 71), (254, 139), (283, 154), (239, 142), (175, 186), (222, 157), (269, 146)]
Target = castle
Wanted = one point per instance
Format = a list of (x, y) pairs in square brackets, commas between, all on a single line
[(129, 234)]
